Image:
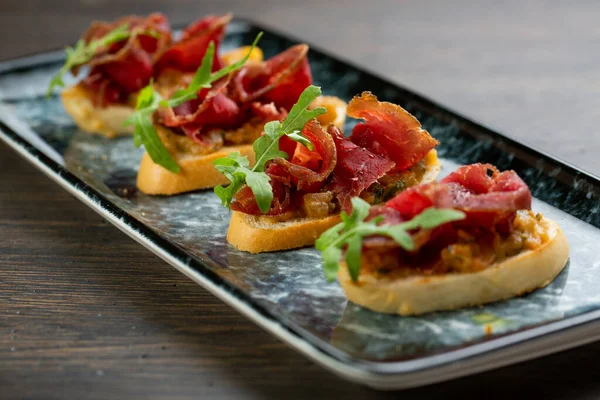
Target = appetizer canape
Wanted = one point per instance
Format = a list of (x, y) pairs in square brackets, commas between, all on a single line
[(124, 56), (305, 174), (468, 240), (120, 58), (221, 116)]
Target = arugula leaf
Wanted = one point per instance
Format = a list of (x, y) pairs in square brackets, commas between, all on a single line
[(297, 136), (429, 218), (204, 77), (349, 235), (234, 167), (82, 53), (353, 256), (260, 183), (200, 81), (237, 65), (331, 262), (144, 131), (149, 101), (266, 148), (299, 115)]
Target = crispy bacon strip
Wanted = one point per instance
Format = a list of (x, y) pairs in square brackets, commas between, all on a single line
[(356, 169), (125, 67), (490, 201), (280, 79), (389, 131), (187, 53)]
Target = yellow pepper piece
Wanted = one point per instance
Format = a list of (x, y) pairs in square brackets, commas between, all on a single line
[(336, 110), (236, 55)]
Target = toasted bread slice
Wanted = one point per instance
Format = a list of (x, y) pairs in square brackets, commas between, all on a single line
[(259, 234), (197, 172), (195, 162), (517, 275), (103, 121)]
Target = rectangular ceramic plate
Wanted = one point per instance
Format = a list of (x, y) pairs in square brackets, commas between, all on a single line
[(285, 292)]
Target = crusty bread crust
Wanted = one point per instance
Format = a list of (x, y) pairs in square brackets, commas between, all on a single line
[(197, 172), (103, 121), (416, 295), (259, 234)]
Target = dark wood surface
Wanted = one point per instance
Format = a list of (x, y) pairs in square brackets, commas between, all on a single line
[(85, 312)]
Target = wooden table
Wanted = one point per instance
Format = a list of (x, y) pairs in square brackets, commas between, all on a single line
[(88, 313)]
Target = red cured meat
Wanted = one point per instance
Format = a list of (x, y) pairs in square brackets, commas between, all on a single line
[(356, 169), (389, 131)]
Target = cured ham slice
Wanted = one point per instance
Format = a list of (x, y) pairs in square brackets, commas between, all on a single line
[(212, 108), (127, 66), (280, 79), (356, 169), (309, 170), (489, 198), (187, 53), (227, 105), (389, 131), (280, 182)]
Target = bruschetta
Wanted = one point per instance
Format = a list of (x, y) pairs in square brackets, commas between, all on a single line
[(467, 240), (386, 153), (227, 118), (126, 55), (119, 57)]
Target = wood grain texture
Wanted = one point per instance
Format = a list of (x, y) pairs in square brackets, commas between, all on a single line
[(85, 312)]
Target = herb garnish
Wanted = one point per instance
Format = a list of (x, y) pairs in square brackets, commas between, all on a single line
[(82, 53), (149, 101), (236, 168), (349, 235)]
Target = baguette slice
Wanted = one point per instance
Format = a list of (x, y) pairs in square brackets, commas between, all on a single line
[(259, 234), (102, 121), (197, 172), (416, 295)]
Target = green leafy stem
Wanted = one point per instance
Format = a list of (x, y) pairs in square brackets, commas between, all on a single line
[(82, 53), (149, 101), (349, 234), (237, 168)]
